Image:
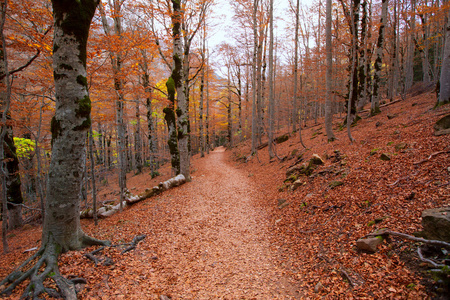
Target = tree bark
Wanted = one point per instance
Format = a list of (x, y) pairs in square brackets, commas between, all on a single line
[(375, 106), (271, 78), (444, 90), (9, 160), (329, 78), (254, 77), (69, 125)]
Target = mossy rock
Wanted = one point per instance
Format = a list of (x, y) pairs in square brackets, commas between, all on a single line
[(385, 157), (443, 123), (335, 184), (316, 160), (282, 139), (401, 146)]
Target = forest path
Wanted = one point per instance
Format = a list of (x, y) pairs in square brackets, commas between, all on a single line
[(214, 242)]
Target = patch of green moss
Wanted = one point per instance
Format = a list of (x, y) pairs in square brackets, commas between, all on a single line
[(82, 80), (84, 107)]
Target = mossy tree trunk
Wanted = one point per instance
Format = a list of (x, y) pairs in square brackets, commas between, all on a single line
[(329, 78), (10, 162), (62, 231), (375, 106), (444, 92)]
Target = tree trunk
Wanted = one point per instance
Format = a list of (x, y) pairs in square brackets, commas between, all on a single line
[(207, 106), (116, 62), (202, 87), (271, 78), (409, 80), (10, 162), (375, 107), (294, 100), (137, 141), (178, 82), (444, 92), (254, 77), (329, 78)]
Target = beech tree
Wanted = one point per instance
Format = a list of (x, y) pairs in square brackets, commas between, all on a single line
[(328, 103), (375, 106), (11, 184), (62, 230), (444, 92)]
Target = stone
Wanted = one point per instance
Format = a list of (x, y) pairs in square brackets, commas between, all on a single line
[(443, 123), (400, 146), (385, 157), (298, 183), (369, 244), (391, 116), (316, 160), (335, 183), (436, 223)]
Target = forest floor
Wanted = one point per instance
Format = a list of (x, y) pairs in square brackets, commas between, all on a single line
[(237, 231)]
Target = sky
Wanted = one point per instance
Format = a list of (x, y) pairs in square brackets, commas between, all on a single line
[(223, 19)]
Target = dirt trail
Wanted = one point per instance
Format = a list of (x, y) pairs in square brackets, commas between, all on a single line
[(215, 244)]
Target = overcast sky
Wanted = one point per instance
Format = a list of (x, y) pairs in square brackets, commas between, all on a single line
[(223, 19)]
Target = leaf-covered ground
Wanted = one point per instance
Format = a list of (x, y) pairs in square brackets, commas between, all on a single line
[(238, 232)]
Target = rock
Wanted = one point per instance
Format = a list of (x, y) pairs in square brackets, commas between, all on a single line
[(298, 183), (385, 157), (436, 223), (335, 183), (369, 244), (443, 123), (303, 169), (282, 138), (391, 116), (378, 124), (319, 287), (316, 160), (400, 146)]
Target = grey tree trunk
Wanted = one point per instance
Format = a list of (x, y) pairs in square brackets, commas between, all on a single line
[(202, 87), (444, 90), (271, 78), (375, 106), (137, 141), (409, 73), (207, 105), (116, 62), (69, 125), (294, 98), (254, 77), (178, 82), (329, 78)]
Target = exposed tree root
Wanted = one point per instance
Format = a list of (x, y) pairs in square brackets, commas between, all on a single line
[(108, 261), (40, 266)]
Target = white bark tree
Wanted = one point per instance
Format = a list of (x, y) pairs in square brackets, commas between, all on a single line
[(444, 89), (375, 106), (328, 103), (62, 230)]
